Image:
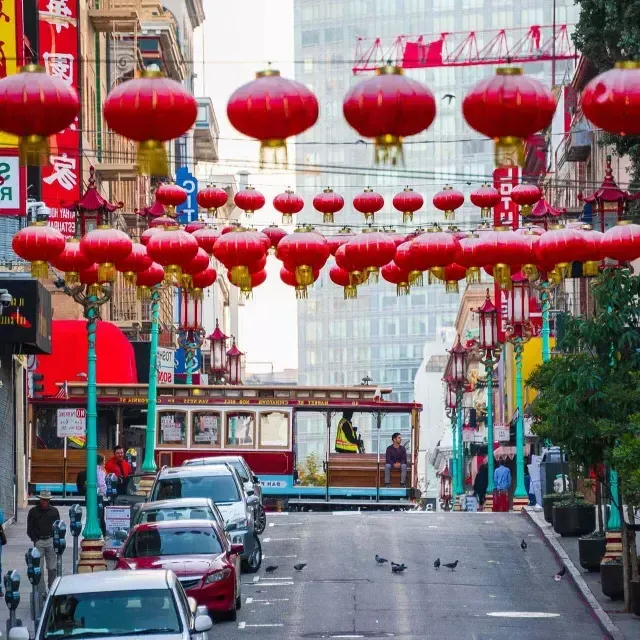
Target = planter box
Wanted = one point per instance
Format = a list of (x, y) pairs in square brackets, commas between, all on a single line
[(612, 580), (635, 596), (574, 520), (547, 506), (591, 551)]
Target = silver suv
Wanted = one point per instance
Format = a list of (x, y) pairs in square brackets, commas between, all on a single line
[(222, 485), (127, 604)]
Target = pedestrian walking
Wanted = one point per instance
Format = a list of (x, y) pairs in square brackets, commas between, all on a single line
[(396, 458), (480, 485), (120, 467), (40, 531), (3, 541), (501, 482), (101, 476)]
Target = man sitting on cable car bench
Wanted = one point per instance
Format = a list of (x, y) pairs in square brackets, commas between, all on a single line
[(347, 439), (397, 459)]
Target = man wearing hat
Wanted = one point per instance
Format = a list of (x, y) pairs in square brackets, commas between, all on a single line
[(40, 531)]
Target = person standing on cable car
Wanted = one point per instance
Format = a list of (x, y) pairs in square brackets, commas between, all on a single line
[(347, 439)]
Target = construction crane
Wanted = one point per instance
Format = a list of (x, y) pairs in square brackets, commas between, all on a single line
[(464, 49)]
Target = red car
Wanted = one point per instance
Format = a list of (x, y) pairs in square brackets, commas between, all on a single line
[(197, 551)]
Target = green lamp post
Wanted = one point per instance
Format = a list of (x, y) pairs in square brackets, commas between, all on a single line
[(458, 379)]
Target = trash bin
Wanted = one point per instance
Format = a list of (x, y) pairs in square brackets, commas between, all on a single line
[(551, 467)]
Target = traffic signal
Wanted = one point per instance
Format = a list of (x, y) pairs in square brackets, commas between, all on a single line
[(35, 384)]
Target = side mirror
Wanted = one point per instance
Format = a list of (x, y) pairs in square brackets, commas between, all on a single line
[(237, 548), (256, 480), (113, 553), (18, 633), (253, 500), (249, 489), (202, 611), (202, 624)]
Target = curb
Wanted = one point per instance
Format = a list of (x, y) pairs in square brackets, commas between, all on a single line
[(578, 581)]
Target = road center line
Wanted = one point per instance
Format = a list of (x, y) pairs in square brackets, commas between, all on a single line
[(248, 601), (279, 539), (271, 557), (267, 601), (244, 625), (256, 579), (270, 584), (522, 614), (273, 578)]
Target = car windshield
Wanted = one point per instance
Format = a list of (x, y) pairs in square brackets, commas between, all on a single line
[(219, 488), (175, 513), (173, 542), (236, 464), (112, 613)]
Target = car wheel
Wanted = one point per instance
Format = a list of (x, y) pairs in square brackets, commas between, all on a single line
[(261, 520), (239, 602), (253, 563), (232, 615)]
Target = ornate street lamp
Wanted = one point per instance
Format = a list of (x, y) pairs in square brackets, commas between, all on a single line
[(458, 379), (451, 403), (191, 331), (446, 495), (518, 332), (218, 342), (234, 364)]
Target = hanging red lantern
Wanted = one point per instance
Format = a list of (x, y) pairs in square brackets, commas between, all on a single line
[(212, 198), (263, 238), (560, 246), (306, 251), (172, 249), (71, 260), (171, 196), (611, 100), (395, 275), (105, 246), (33, 106), (486, 197), (469, 257), (145, 236), (290, 278), (201, 281), (249, 200), (405, 262), (433, 251), (258, 265), (206, 238), (368, 203), (271, 109), (198, 263), (451, 275), (192, 227), (389, 108), (162, 222), (448, 200), (509, 107), (275, 234), (342, 237), (147, 279), (288, 204), (396, 238), (150, 110), (502, 249), (357, 276), (38, 244), (622, 242), (525, 196), (236, 250), (134, 263), (328, 203), (90, 278), (408, 202), (594, 251), (370, 251), (256, 278), (343, 279), (414, 234)]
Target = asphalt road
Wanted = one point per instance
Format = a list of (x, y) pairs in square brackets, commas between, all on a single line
[(498, 591)]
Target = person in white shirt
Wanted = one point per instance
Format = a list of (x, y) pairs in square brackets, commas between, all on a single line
[(102, 477)]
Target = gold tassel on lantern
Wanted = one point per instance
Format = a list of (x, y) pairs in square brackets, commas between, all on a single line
[(304, 276), (240, 276), (416, 279), (106, 272), (509, 152), (196, 293), (186, 281), (485, 212), (273, 153), (301, 292), (350, 292), (373, 274), (94, 291), (144, 293), (407, 216), (473, 275), (34, 150), (502, 275), (287, 218), (327, 217), (152, 159), (562, 269), (172, 272), (129, 278), (402, 289), (388, 149), (531, 271), (436, 272), (39, 269), (71, 277), (246, 293), (590, 268), (451, 286)]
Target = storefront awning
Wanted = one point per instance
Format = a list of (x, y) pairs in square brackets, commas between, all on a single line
[(509, 453)]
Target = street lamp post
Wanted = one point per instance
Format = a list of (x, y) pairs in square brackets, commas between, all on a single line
[(458, 377), (452, 403), (218, 343), (192, 333), (518, 333)]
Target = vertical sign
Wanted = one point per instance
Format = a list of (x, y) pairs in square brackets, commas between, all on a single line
[(13, 184), (188, 210), (59, 54)]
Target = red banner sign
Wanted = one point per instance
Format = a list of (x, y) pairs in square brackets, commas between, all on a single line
[(506, 212), (59, 54)]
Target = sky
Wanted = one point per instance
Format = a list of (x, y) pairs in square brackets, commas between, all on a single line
[(239, 40)]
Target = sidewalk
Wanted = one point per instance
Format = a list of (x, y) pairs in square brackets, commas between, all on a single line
[(610, 613), (13, 558)]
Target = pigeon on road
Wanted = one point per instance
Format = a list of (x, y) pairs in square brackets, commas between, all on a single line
[(560, 573), (436, 564), (380, 560), (300, 566), (271, 568), (451, 565), (523, 545), (397, 568)]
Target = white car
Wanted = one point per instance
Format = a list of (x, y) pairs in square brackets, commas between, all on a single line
[(121, 604)]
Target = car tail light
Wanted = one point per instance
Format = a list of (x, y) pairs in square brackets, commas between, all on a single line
[(216, 576)]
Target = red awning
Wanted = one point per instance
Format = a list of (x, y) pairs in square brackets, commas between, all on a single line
[(116, 362)]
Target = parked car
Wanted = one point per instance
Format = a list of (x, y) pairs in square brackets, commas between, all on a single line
[(249, 479), (126, 604), (221, 484), (178, 509), (198, 552)]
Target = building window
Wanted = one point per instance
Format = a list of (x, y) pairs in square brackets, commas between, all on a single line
[(240, 430), (308, 65), (173, 428), (310, 38), (206, 429), (274, 429)]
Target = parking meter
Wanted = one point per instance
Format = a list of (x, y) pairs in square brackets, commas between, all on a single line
[(12, 596), (34, 574), (75, 525), (59, 542), (112, 487)]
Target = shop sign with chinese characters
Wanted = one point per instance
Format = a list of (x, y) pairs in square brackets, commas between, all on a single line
[(61, 178)]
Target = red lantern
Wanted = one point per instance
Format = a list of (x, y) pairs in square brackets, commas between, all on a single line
[(72, 260), (342, 237), (263, 238), (171, 196), (90, 278), (259, 265), (202, 280), (469, 257), (272, 109), (509, 107), (369, 251), (434, 250), (206, 238), (525, 196), (290, 278), (328, 203), (368, 203), (256, 278), (236, 250), (486, 197), (408, 202), (173, 248), (212, 198), (275, 234), (134, 263), (451, 275), (594, 251), (502, 249), (448, 200), (343, 279), (395, 275), (622, 242), (611, 101), (192, 227), (560, 246), (218, 342), (388, 108), (249, 200), (488, 319), (38, 244), (396, 238), (234, 364), (306, 251), (162, 222), (288, 204), (357, 276), (105, 246), (147, 279), (151, 110), (405, 262), (198, 263), (34, 106), (145, 236)]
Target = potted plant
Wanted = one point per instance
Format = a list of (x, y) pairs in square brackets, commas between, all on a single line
[(549, 499), (612, 578), (574, 517), (592, 547)]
